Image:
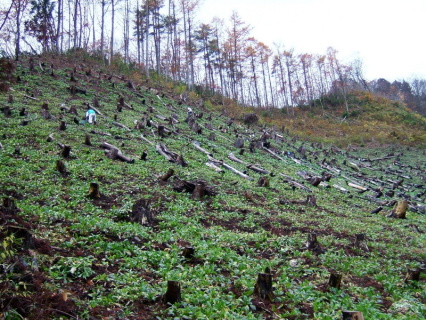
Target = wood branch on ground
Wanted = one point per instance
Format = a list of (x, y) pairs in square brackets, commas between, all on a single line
[(353, 185), (213, 166), (101, 133), (146, 140), (232, 157), (121, 125), (226, 166), (197, 146), (274, 154), (257, 169), (170, 155), (293, 183), (340, 188), (113, 152), (191, 186)]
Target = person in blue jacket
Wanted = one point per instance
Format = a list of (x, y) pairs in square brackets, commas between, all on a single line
[(90, 115)]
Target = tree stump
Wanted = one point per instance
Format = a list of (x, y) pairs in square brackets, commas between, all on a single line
[(199, 191), (335, 280), (188, 252), (315, 181), (412, 275), (66, 150), (23, 112), (311, 200), (263, 287), (401, 209), (144, 155), (173, 293), (141, 213), (263, 182), (352, 315), (17, 151), (211, 136), (167, 175), (87, 141), (360, 241), (312, 244), (161, 131), (94, 191), (10, 99), (62, 126), (7, 111), (239, 143), (60, 166), (241, 152)]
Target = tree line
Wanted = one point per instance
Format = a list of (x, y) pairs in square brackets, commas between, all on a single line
[(164, 37)]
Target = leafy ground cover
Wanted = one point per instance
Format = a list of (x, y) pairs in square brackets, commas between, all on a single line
[(65, 255)]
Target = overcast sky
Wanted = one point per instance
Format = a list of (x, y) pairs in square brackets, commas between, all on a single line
[(389, 36)]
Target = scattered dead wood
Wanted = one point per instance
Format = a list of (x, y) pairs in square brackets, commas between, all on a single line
[(232, 157), (170, 155), (412, 275), (121, 126), (228, 167), (197, 146), (146, 140), (165, 177), (191, 187), (112, 152), (294, 184), (256, 169), (213, 166)]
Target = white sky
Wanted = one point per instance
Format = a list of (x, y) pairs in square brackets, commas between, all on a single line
[(387, 35)]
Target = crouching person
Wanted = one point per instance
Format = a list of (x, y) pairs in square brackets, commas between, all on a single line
[(90, 115)]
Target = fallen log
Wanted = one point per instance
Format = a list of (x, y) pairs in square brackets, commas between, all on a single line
[(170, 155), (146, 140), (257, 169), (232, 157), (114, 153), (228, 167), (196, 144), (213, 166), (294, 184), (121, 126), (353, 185)]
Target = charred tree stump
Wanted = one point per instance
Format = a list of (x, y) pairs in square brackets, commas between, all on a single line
[(87, 141), (23, 112), (144, 155), (241, 152), (73, 110), (399, 210), (60, 166), (141, 213), (263, 287), (377, 210), (352, 315), (62, 126), (66, 150), (239, 143), (161, 131), (315, 181), (10, 99), (94, 191), (412, 275), (167, 175), (17, 151), (198, 192), (188, 252), (335, 280), (173, 293), (211, 136), (360, 242), (7, 111), (311, 200), (263, 182), (313, 245)]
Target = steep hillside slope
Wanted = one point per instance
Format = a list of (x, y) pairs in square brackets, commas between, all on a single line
[(206, 201)]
